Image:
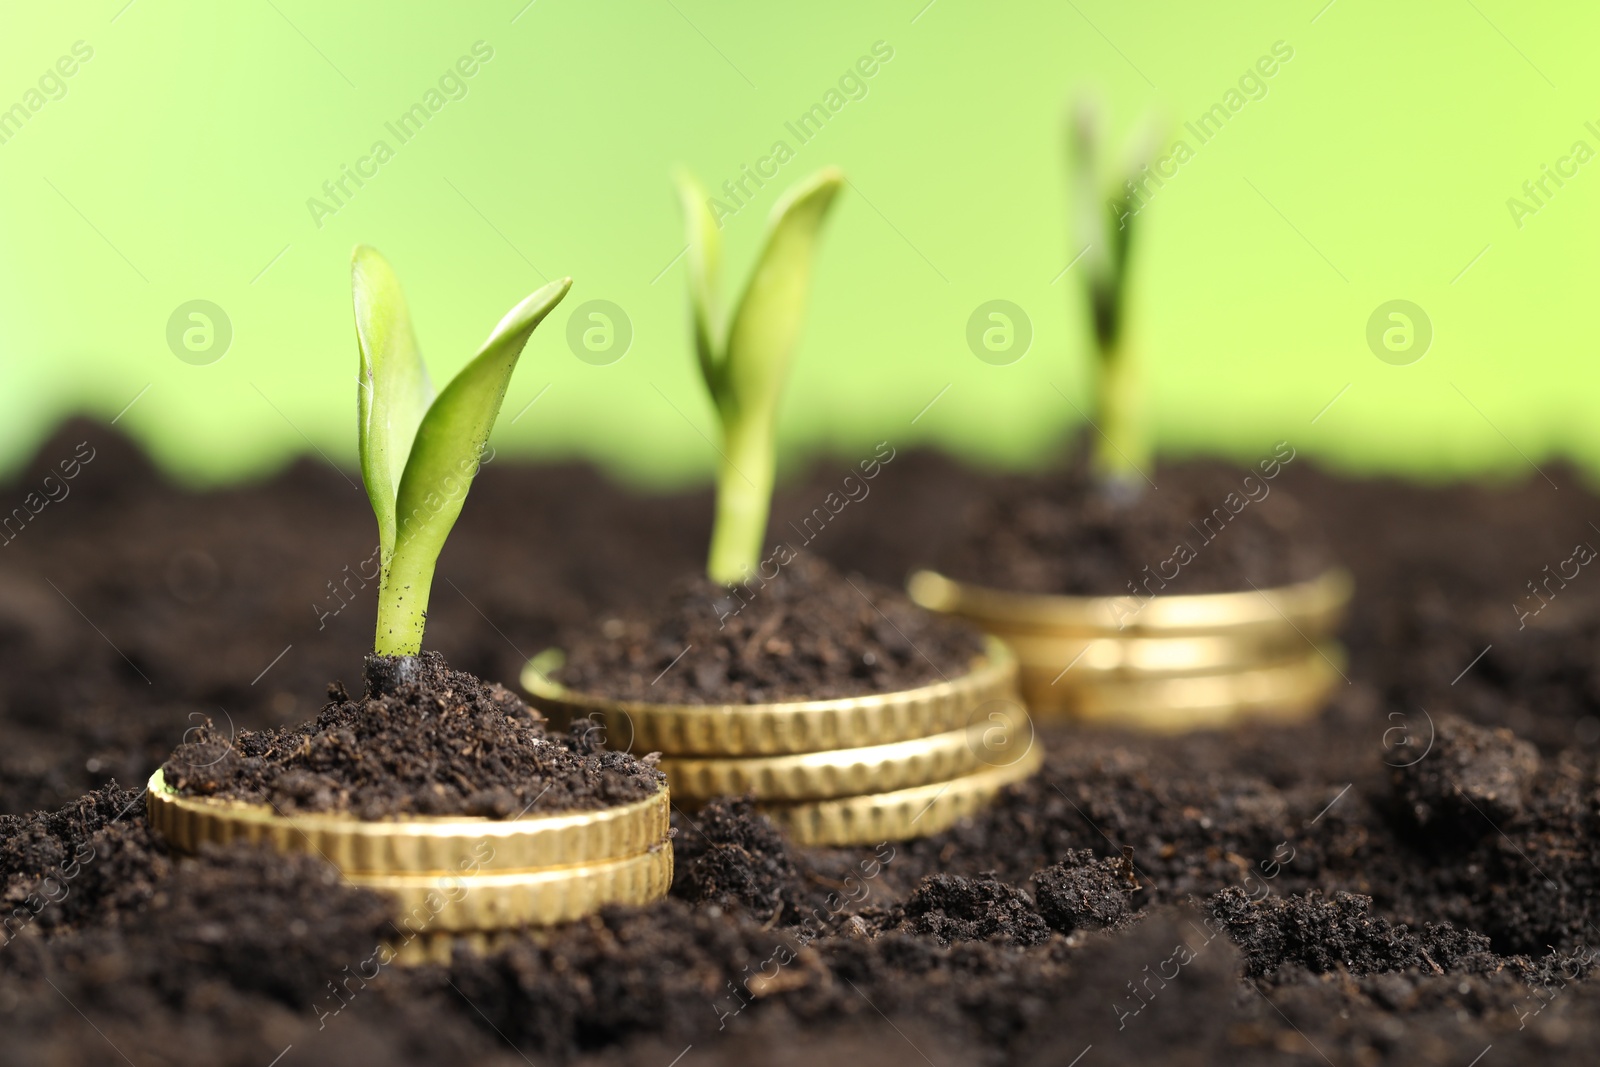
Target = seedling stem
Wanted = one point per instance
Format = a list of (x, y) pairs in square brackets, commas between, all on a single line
[(419, 453), (744, 365)]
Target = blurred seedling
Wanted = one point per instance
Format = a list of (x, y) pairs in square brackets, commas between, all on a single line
[(1106, 202)]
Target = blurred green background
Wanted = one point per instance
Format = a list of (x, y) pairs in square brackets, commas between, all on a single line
[(176, 164)]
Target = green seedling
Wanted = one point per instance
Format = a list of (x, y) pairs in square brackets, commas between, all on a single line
[(420, 452), (744, 364), (1104, 215)]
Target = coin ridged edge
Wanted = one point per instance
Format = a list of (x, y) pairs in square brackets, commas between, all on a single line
[(902, 814), (1317, 603), (414, 845), (507, 900), (1095, 659), (784, 728), (1287, 692), (844, 772)]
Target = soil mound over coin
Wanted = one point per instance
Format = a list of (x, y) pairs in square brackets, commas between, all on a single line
[(1312, 893), (422, 740), (1211, 531), (809, 633)]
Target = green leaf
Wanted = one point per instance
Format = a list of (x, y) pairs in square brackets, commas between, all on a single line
[(747, 382), (1090, 213), (705, 262), (766, 326), (394, 390), (444, 458)]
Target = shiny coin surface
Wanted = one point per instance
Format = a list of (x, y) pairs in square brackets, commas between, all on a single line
[(1077, 660), (1284, 692), (1315, 607), (498, 901), (781, 728), (421, 845), (1000, 734), (1166, 663), (905, 813)]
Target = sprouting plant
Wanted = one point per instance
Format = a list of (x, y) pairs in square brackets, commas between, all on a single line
[(745, 363), (1104, 211), (419, 452)]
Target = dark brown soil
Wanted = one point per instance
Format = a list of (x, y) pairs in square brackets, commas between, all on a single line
[(1413, 878), (229, 957), (421, 740), (730, 856), (1083, 892), (1217, 530), (808, 633)]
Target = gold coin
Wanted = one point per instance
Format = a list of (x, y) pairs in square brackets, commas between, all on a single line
[(1283, 692), (999, 733), (1076, 658), (782, 728), (508, 900), (1167, 663), (1315, 607), (904, 813), (420, 845), (439, 946)]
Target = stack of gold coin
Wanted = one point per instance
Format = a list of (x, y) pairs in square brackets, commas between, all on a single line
[(854, 770), (453, 878), (1166, 663)]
